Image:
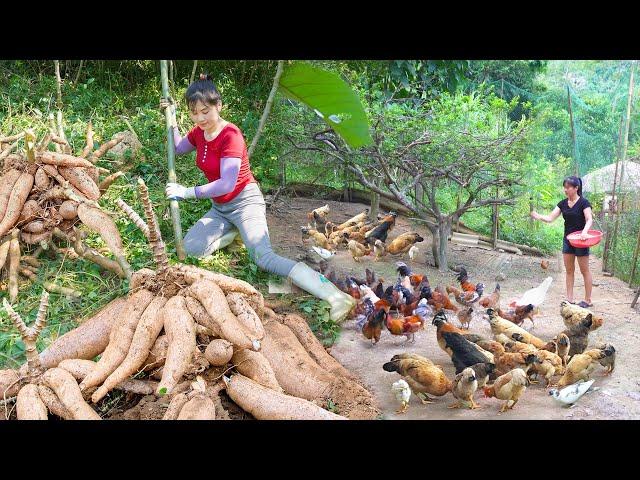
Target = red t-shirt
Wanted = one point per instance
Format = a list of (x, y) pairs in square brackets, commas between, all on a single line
[(228, 143)]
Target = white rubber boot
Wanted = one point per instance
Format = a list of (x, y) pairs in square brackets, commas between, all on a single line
[(317, 284)]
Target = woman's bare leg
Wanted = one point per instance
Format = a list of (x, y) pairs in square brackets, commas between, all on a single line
[(570, 268), (583, 263)]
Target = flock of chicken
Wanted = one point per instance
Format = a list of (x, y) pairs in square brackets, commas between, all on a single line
[(361, 236), (503, 367)]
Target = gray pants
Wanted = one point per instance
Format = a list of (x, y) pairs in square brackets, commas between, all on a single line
[(246, 212)]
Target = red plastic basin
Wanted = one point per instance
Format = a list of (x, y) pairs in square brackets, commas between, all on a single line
[(594, 238)]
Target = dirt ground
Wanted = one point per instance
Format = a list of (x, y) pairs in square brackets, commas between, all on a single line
[(614, 397)]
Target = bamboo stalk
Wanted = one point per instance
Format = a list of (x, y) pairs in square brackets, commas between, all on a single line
[(267, 108)]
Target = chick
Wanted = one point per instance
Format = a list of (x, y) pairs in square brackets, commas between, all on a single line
[(357, 250), (509, 387), (319, 239), (544, 264), (609, 361), (563, 346), (413, 253), (379, 250), (483, 371), (550, 365), (463, 387), (464, 316), (402, 392)]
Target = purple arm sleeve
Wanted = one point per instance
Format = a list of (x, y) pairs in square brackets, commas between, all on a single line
[(183, 145), (229, 170)]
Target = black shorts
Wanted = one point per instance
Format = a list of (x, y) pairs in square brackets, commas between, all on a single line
[(578, 252)]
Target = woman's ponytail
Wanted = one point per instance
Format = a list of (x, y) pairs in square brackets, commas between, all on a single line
[(579, 186)]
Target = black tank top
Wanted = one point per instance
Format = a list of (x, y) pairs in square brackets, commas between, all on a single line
[(574, 218)]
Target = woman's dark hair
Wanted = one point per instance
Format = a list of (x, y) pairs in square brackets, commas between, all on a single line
[(203, 90), (574, 182)]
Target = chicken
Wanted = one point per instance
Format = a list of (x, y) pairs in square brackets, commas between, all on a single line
[(406, 326), (582, 365), (358, 237), (463, 387), (483, 371), (509, 387), (363, 311), (572, 315), (493, 300), (413, 253), (370, 277), (463, 352), (329, 227), (354, 220), (465, 316), (372, 329), (379, 288), (534, 296), (544, 264), (609, 361), (571, 394), (423, 310), (357, 250), (319, 239), (516, 346), (490, 346), (508, 361), (438, 300), (319, 216), (464, 298), (421, 374), (381, 231), (416, 281), (442, 326), (323, 253), (518, 314), (549, 366), (402, 392), (578, 336), (563, 345), (367, 293), (465, 284), (500, 325), (402, 243)]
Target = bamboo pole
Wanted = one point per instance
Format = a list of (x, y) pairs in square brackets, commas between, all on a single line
[(613, 211), (635, 260), (171, 152), (573, 135), (267, 108), (625, 145), (193, 71)]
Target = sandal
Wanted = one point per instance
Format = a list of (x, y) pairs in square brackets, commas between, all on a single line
[(584, 304)]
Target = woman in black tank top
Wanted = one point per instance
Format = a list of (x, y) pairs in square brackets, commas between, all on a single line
[(576, 211)]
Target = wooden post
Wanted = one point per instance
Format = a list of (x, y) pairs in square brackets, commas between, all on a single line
[(573, 135), (171, 152), (531, 223), (496, 213), (625, 145), (635, 299), (635, 260)]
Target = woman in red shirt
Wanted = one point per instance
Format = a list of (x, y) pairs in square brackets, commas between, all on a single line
[(238, 204)]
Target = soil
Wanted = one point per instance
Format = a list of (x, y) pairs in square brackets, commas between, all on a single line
[(612, 397)]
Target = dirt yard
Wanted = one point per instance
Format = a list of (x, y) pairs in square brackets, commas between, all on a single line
[(616, 397)]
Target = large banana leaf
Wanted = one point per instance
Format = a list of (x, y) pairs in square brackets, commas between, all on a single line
[(331, 98)]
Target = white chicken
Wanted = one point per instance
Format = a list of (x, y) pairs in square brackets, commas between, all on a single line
[(323, 252), (403, 393), (413, 253), (570, 395), (535, 296)]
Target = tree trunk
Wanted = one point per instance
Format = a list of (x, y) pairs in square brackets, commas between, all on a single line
[(375, 206), (444, 230)]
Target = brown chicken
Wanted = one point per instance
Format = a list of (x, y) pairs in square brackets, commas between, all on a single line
[(358, 237), (550, 365), (582, 365), (402, 243), (465, 316), (442, 326), (572, 315), (465, 284), (518, 314), (578, 336), (439, 300), (379, 250), (358, 250), (421, 374), (372, 328), (493, 300), (509, 387), (515, 346), (563, 346), (463, 387), (544, 264), (381, 231), (609, 361), (319, 239), (466, 299), (319, 216), (354, 220), (508, 361), (328, 229), (407, 326)]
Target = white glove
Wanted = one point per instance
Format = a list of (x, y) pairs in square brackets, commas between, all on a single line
[(175, 191)]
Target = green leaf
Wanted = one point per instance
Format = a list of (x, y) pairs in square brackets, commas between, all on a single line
[(162, 391), (331, 98)]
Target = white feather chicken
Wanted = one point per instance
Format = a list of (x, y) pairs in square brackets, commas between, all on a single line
[(323, 252), (403, 393), (535, 296), (413, 253)]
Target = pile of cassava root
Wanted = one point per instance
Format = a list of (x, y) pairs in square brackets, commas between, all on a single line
[(45, 196), (184, 343)]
